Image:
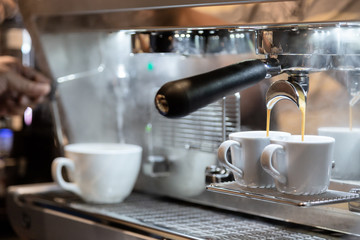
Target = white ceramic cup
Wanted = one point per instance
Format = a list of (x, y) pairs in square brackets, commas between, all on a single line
[(246, 148), (101, 172), (346, 152), (299, 167)]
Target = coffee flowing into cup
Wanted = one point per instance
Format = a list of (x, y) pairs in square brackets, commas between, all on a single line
[(101, 172)]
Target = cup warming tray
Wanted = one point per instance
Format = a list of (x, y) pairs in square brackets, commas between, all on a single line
[(331, 196)]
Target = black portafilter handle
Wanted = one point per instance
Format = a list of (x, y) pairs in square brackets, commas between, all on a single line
[(181, 97)]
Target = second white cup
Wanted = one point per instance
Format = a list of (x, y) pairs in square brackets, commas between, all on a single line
[(246, 148), (299, 167)]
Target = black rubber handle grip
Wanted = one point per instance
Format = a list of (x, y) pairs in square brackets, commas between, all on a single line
[(181, 97)]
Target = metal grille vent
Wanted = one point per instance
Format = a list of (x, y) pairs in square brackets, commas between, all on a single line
[(204, 129)]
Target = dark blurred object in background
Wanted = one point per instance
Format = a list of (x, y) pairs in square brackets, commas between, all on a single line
[(32, 141)]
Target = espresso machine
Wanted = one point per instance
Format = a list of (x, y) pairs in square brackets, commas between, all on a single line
[(115, 66)]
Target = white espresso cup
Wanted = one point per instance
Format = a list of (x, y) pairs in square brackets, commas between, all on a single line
[(299, 167), (346, 152), (100, 172), (246, 148)]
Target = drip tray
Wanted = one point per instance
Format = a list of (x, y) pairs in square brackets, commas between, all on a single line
[(272, 195)]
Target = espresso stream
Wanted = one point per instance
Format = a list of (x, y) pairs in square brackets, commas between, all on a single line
[(302, 107), (355, 98), (350, 117)]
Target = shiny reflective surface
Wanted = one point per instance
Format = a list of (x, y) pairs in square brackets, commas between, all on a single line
[(298, 47), (197, 41), (310, 39)]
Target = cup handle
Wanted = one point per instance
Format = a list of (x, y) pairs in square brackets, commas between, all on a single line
[(56, 168), (222, 155), (267, 164)]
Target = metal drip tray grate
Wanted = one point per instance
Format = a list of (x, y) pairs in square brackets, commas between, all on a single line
[(272, 195), (194, 221)]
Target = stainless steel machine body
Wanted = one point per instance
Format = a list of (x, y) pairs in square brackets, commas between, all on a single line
[(108, 59)]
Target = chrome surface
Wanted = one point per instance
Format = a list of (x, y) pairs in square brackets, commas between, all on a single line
[(296, 48), (49, 16), (194, 42), (187, 147), (149, 215), (284, 89), (307, 47), (192, 221), (217, 174), (353, 85), (355, 205), (312, 47), (202, 130), (156, 166), (273, 67), (336, 217), (272, 195), (310, 39)]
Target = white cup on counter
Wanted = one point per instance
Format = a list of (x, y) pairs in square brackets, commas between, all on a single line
[(299, 167), (346, 151), (101, 172), (246, 148)]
